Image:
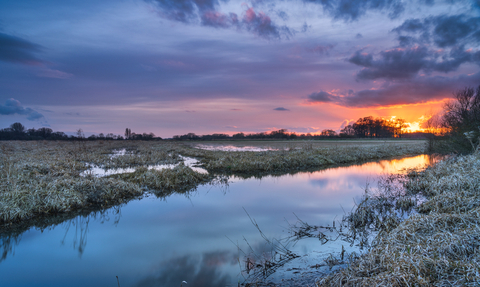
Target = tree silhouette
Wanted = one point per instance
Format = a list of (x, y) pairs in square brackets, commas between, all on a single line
[(128, 133)]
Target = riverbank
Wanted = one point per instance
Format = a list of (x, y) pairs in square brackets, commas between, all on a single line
[(439, 246), (41, 178)]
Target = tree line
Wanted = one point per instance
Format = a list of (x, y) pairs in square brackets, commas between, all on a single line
[(367, 127), (17, 131)]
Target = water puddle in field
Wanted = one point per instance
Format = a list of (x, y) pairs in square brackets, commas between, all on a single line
[(222, 147), (98, 171), (199, 238)]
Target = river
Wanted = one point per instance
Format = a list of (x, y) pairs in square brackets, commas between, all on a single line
[(200, 238)]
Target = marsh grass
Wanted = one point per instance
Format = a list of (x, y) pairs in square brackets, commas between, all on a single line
[(41, 178), (181, 178), (300, 157), (438, 246)]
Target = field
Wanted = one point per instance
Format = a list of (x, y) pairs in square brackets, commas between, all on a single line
[(41, 178), (437, 245)]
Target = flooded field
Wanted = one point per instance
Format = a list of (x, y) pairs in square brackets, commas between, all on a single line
[(265, 145), (199, 237)]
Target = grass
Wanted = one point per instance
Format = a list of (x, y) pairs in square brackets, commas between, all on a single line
[(438, 246), (43, 178)]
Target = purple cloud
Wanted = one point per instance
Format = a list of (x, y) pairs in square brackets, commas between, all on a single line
[(13, 106), (17, 50)]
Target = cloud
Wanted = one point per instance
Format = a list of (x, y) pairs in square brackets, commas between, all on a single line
[(195, 270), (185, 10), (407, 62), (391, 64), (443, 30), (13, 106), (17, 50), (261, 25), (346, 123), (320, 97), (412, 91), (351, 10), (56, 74), (281, 109), (434, 44), (322, 49), (449, 30), (206, 13)]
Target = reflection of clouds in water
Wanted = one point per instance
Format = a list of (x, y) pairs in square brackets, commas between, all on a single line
[(204, 270)]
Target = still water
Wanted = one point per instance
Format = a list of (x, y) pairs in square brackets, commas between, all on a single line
[(195, 238)]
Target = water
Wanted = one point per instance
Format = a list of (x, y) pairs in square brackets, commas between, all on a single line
[(223, 147), (162, 242), (99, 171)]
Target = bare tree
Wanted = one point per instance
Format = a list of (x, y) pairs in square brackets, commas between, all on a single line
[(461, 118)]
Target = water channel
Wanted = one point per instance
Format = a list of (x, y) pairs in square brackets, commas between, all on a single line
[(194, 238)]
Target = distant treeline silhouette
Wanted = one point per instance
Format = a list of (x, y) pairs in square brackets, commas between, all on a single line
[(17, 131), (367, 127)]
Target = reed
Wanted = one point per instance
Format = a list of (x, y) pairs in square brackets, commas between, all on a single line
[(439, 246)]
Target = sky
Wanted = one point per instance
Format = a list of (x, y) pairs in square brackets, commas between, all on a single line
[(225, 66)]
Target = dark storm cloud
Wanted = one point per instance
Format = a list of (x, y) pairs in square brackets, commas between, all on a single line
[(281, 109), (320, 97), (444, 31), (403, 63), (419, 41), (417, 90), (449, 30), (13, 106), (17, 50), (391, 64), (206, 11), (350, 10)]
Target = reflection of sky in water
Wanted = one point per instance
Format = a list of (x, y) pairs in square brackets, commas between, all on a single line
[(163, 242), (224, 147), (100, 172)]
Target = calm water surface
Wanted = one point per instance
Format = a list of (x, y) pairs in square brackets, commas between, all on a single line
[(162, 242)]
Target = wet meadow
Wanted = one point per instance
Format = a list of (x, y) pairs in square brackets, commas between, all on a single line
[(291, 213)]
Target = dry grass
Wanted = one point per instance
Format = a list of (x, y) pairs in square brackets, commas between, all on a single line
[(44, 177), (178, 179), (300, 157), (437, 247)]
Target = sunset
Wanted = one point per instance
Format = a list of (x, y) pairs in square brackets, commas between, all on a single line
[(173, 67), (219, 143)]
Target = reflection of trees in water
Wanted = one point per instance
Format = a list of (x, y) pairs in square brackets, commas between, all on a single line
[(80, 224), (8, 245), (10, 239), (199, 270)]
